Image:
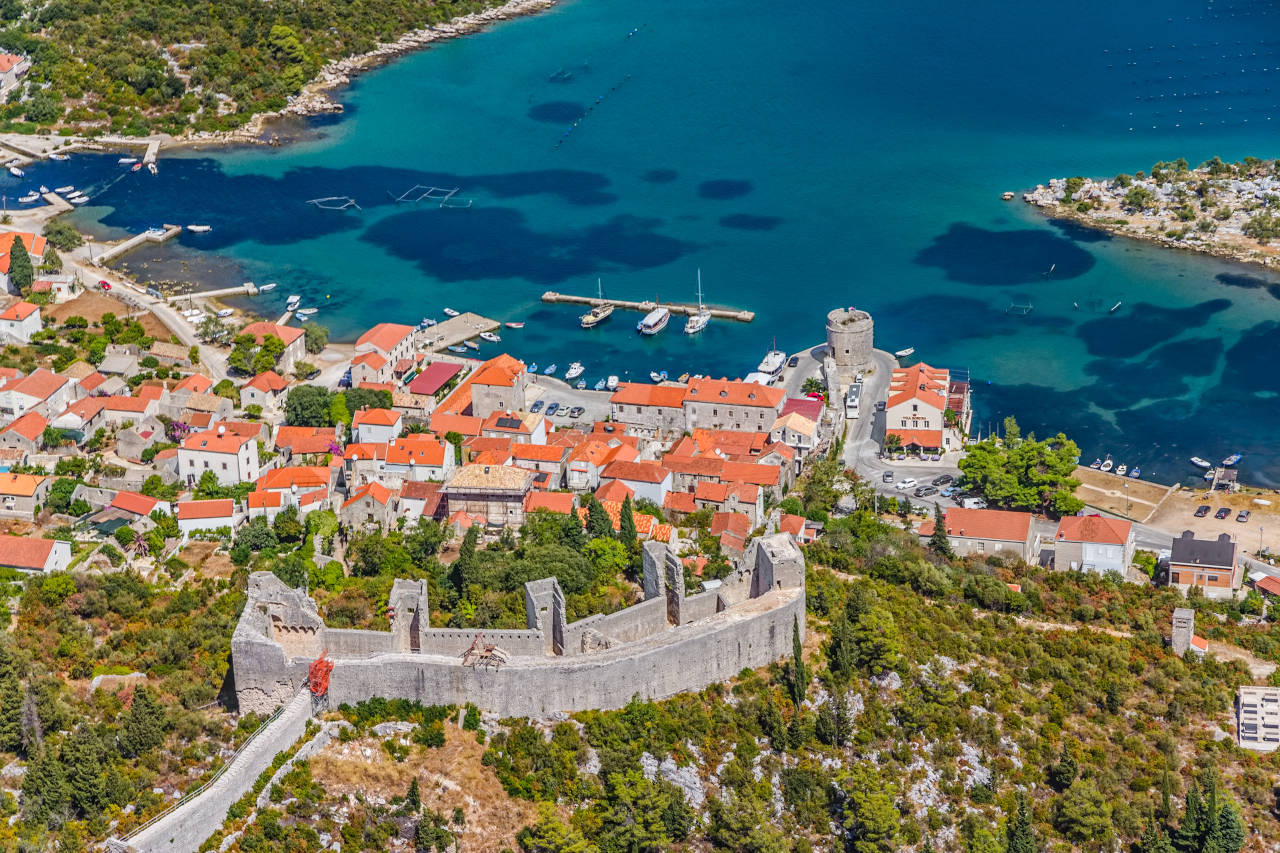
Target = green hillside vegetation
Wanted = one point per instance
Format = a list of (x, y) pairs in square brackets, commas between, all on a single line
[(143, 66)]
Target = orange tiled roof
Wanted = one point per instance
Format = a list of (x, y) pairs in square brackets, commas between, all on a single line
[(418, 449), (1093, 528), (734, 393), (984, 524), (559, 502), (919, 382), (29, 426), (372, 359), (134, 503), (260, 330), (614, 490), (679, 502), (210, 442), (384, 336), (268, 381), (642, 394), (197, 383), (302, 476), (20, 485), (918, 437), (537, 452), (265, 500), (639, 472), (41, 384), (300, 439), (736, 523), (25, 552), (502, 370), (219, 508), (375, 490), (375, 417), (465, 425), (34, 243), (19, 310)]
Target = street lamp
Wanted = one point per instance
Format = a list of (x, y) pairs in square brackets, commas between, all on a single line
[(1126, 499)]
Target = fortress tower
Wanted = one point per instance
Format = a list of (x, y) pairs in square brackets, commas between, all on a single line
[(850, 338)]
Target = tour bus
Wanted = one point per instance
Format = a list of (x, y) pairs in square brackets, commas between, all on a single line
[(852, 400)]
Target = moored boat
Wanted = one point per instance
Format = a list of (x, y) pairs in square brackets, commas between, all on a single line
[(1232, 459), (1097, 463), (903, 353), (135, 167), (550, 370), (427, 322), (684, 377), (611, 383), (653, 322), (267, 287), (575, 370), (599, 313), (29, 197), (490, 337), (599, 386), (697, 322), (199, 229), (151, 167), (1106, 465), (59, 157), (655, 376), (582, 383), (16, 172), (306, 312), (80, 199), (1200, 463), (1121, 469), (293, 301), (514, 325), (1135, 473), (43, 189), (456, 348), (226, 312), (125, 161), (471, 345), (772, 363), (533, 367), (64, 190), (449, 312)]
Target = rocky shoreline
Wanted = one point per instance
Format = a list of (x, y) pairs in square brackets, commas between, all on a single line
[(1217, 209), (314, 99)]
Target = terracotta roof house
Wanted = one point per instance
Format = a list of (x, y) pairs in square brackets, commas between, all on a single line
[(371, 505), (42, 391), (25, 432), (294, 340), (434, 377), (614, 490), (981, 532), (20, 321), (21, 493), (1091, 543), (647, 480), (305, 441), (196, 383), (421, 499), (919, 397), (733, 528), (500, 384), (137, 504), (33, 243), (518, 426), (205, 515), (724, 404), (32, 554), (393, 340), (232, 457), (652, 411), (495, 491), (267, 390), (557, 502)]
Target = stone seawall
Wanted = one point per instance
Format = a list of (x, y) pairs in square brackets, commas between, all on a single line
[(684, 658)]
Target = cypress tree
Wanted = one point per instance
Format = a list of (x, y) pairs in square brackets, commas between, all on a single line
[(21, 273), (413, 799), (627, 524), (799, 672), (1228, 833), (44, 788), (143, 728), (939, 542), (82, 756), (1154, 840), (1062, 774), (1165, 809), (1018, 829), (1186, 838), (10, 703), (598, 521), (463, 569)]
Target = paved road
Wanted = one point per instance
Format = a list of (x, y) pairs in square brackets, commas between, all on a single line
[(553, 390)]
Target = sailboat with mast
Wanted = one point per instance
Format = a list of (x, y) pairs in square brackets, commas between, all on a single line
[(599, 313), (697, 322)]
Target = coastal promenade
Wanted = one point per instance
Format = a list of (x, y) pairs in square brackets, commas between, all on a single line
[(647, 306)]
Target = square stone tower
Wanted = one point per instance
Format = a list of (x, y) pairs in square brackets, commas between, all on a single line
[(1184, 628)]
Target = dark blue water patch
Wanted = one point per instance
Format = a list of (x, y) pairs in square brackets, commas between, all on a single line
[(1079, 233), (1248, 282), (1249, 366), (497, 242), (557, 112), (722, 190), (1143, 326), (973, 255), (660, 176), (1186, 357), (750, 222), (974, 319), (1119, 378)]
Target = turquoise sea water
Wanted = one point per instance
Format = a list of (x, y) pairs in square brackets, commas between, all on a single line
[(802, 158)]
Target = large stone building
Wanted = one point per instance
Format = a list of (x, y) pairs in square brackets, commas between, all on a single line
[(850, 340), (496, 492), (738, 406), (668, 643)]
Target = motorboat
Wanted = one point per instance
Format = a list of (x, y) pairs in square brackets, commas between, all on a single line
[(514, 325), (449, 312), (43, 189), (125, 161), (80, 199), (697, 322), (306, 312), (575, 370), (533, 367), (658, 375), (471, 345), (226, 312), (1200, 463), (490, 337), (684, 377), (302, 318), (611, 383), (199, 229), (1121, 470), (1097, 463), (599, 386), (267, 287), (550, 370), (1232, 459), (582, 383), (653, 322), (427, 322), (1135, 473), (29, 197), (456, 348), (292, 302), (59, 157), (135, 167), (16, 172), (599, 313), (152, 168), (904, 353), (73, 195), (1106, 465), (773, 362), (64, 190)]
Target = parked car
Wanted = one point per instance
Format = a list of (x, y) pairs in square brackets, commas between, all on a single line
[(1223, 512), (880, 406), (793, 361), (906, 483), (973, 503), (886, 477), (925, 491), (943, 480), (1243, 516), (1202, 510), (537, 406), (949, 491), (105, 285), (576, 412), (552, 409), (816, 395)]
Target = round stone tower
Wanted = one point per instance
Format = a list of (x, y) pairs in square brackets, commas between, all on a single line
[(850, 334)]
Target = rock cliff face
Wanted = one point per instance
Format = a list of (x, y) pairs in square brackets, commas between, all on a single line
[(667, 644)]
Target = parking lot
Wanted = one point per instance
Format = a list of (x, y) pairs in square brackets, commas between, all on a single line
[(1261, 530), (548, 390)]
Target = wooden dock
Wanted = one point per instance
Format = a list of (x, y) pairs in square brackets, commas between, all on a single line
[(648, 305), (246, 289), (455, 330), (148, 236)]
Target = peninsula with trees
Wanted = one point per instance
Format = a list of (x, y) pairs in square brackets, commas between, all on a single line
[(1231, 210)]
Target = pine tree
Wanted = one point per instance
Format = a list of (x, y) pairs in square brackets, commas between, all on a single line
[(1164, 810), (1228, 833), (44, 789), (32, 728), (598, 521), (143, 728), (82, 756), (1062, 774), (462, 571), (1018, 830), (799, 672), (10, 702), (21, 273), (627, 524), (1154, 840), (413, 799), (938, 541), (1186, 838)]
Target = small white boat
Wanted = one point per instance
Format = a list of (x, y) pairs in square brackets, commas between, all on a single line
[(514, 325), (304, 318), (582, 383), (653, 322), (16, 172), (1121, 470), (449, 312), (575, 370), (199, 229), (1106, 466), (29, 197), (599, 386), (772, 363), (293, 301), (471, 345), (81, 199), (267, 287), (904, 353), (59, 157), (135, 167), (125, 161), (551, 370), (151, 167), (490, 337), (427, 322), (611, 383), (306, 312), (226, 312), (64, 190), (43, 189), (697, 322), (1200, 463), (456, 348), (73, 195)]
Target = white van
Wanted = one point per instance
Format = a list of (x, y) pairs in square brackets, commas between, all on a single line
[(973, 503)]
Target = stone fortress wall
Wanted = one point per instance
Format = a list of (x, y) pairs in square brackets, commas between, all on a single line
[(668, 643)]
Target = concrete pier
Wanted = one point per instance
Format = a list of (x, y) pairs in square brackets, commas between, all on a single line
[(455, 330), (137, 240), (59, 204), (246, 289), (648, 305)]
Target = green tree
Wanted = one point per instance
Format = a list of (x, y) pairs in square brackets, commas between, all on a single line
[(938, 541), (867, 811), (413, 799), (609, 559), (1154, 840), (52, 437), (287, 526), (339, 414), (52, 261), (62, 234), (1188, 836), (316, 337), (1033, 475), (1138, 199), (875, 640), (1018, 835), (143, 727), (598, 521), (11, 701), (548, 834), (627, 524), (307, 405), (44, 788), (1061, 775), (640, 815), (1082, 814), (82, 757), (799, 681), (463, 570)]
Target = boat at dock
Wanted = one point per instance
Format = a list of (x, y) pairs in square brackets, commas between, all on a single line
[(905, 353), (199, 229), (449, 312), (697, 322), (427, 322), (1200, 463), (582, 383), (533, 367), (267, 287), (306, 312), (490, 337), (471, 345), (16, 172), (611, 383), (658, 376), (226, 312), (684, 377), (1232, 459), (125, 161), (1106, 465), (653, 322), (550, 371), (1121, 469), (59, 157), (1097, 463), (456, 348), (575, 370), (29, 197), (599, 386), (292, 302), (514, 325), (772, 363), (152, 168), (64, 190), (1135, 473), (302, 318), (43, 189), (80, 199), (599, 313)]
